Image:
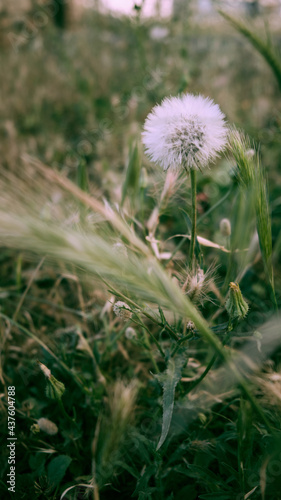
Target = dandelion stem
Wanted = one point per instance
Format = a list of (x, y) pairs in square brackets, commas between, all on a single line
[(193, 217)]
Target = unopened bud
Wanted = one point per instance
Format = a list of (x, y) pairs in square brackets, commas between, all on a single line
[(236, 305), (190, 326), (55, 388), (225, 227)]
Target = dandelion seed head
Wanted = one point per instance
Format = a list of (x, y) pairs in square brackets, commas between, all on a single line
[(130, 333), (187, 131), (47, 426)]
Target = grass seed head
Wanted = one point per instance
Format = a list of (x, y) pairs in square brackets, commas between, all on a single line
[(244, 155)]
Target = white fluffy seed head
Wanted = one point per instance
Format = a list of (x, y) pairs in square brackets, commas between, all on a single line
[(130, 333), (187, 131), (47, 426)]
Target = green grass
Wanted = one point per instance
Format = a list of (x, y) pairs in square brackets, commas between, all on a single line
[(170, 398)]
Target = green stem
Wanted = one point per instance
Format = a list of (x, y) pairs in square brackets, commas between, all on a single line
[(193, 217), (149, 351), (211, 363), (206, 214), (151, 335)]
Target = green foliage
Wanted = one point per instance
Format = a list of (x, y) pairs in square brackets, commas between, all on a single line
[(57, 469), (264, 221), (169, 380), (170, 401), (265, 48)]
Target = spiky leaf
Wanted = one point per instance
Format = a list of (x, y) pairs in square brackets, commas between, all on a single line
[(169, 381)]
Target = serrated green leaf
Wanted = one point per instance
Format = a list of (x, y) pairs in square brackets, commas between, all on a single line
[(169, 381), (143, 490), (57, 469)]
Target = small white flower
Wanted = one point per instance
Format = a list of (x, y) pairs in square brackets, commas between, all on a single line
[(122, 310), (187, 131)]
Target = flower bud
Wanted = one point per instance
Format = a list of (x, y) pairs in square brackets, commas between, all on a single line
[(130, 333), (236, 305), (55, 388), (190, 326), (225, 227)]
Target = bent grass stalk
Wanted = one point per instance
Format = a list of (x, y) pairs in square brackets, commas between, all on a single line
[(267, 51), (93, 254)]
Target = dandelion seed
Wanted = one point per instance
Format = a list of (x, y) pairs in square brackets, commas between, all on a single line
[(186, 131)]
